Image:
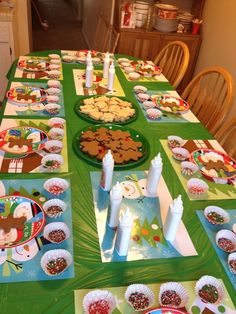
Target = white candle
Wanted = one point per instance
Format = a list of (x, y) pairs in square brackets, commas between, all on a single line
[(106, 63), (89, 75), (154, 175), (107, 171), (173, 219), (124, 233), (115, 204), (111, 76)]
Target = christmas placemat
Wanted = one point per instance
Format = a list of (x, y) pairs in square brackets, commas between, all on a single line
[(35, 67), (34, 99), (215, 190), (211, 231), (147, 240), (193, 306), (99, 86), (79, 57), (152, 111), (35, 145), (44, 206)]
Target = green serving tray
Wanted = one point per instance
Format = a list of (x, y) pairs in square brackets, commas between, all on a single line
[(135, 135)]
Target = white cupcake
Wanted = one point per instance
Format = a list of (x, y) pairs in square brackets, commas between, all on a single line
[(54, 84), (175, 141), (54, 262), (98, 299), (180, 153), (54, 146), (140, 297), (140, 89), (68, 59), (56, 123), (232, 262), (52, 108), (56, 232), (56, 133), (56, 186), (52, 99), (54, 207), (143, 97), (54, 74), (216, 215), (153, 113), (188, 168), (54, 56), (226, 240), (53, 91), (148, 104), (133, 76), (197, 186), (52, 161), (213, 287), (173, 294)]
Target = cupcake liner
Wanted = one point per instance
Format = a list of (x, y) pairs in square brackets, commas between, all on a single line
[(175, 141), (56, 133), (153, 113), (54, 74), (148, 104), (53, 91), (96, 60), (54, 56), (53, 146), (56, 232), (56, 186), (99, 298), (143, 97), (55, 255), (81, 59), (140, 89), (188, 168), (197, 186), (55, 61), (139, 288), (54, 67), (52, 99), (54, 208), (53, 84), (56, 123), (180, 291), (68, 59), (205, 280), (232, 257), (134, 76), (52, 161), (52, 108), (218, 210), (229, 235), (125, 64), (180, 153), (120, 60)]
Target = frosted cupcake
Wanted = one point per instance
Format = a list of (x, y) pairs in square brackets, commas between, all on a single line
[(55, 262), (210, 290), (143, 97), (99, 302), (56, 123), (173, 294), (180, 153), (226, 240), (53, 84), (153, 114), (188, 168), (175, 141), (53, 146), (52, 161), (52, 99), (52, 108), (56, 133), (232, 262), (53, 91), (148, 104), (56, 186), (197, 186), (140, 297), (216, 215), (56, 232), (140, 89), (54, 208)]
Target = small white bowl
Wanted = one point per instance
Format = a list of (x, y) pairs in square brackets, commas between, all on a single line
[(229, 235), (218, 210), (232, 257)]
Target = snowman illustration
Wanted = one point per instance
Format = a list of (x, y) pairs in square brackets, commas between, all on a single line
[(133, 188)]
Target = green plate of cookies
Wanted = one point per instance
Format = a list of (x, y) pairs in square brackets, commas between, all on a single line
[(128, 146), (106, 109)]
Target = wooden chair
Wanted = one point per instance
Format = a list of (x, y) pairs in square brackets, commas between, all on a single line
[(112, 40), (174, 60), (210, 95), (101, 35), (226, 137)]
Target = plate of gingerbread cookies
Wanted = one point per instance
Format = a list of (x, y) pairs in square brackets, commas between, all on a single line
[(214, 165), (106, 109), (128, 147), (21, 220), (22, 140)]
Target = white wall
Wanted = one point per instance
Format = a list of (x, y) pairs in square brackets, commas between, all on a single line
[(219, 39)]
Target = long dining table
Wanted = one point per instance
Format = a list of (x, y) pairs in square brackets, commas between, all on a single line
[(57, 296)]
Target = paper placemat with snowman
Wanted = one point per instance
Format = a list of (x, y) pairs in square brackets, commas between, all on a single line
[(33, 146), (148, 214), (35, 221), (99, 86)]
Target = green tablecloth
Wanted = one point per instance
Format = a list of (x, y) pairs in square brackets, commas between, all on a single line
[(57, 296)]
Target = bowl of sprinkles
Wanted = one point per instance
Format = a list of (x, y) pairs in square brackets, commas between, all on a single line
[(209, 289), (226, 240), (232, 262), (216, 215)]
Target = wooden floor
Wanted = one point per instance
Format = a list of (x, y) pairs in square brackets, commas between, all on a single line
[(64, 30)]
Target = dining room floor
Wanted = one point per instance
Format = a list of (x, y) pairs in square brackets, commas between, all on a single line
[(64, 31)]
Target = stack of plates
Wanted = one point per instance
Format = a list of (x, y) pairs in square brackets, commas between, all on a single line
[(164, 25), (185, 18)]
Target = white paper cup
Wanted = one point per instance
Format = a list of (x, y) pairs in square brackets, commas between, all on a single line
[(178, 289), (55, 255), (54, 207), (209, 280), (232, 257), (220, 211), (56, 186), (99, 295), (52, 161), (140, 289), (59, 227), (229, 235)]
